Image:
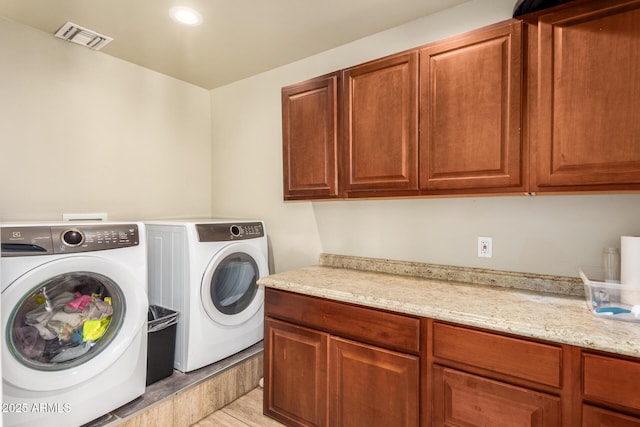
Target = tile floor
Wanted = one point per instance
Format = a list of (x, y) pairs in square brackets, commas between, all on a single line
[(242, 412), (183, 399)]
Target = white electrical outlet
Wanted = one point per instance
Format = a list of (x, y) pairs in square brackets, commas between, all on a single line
[(485, 248)]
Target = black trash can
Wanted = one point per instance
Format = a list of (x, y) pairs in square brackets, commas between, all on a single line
[(161, 344)]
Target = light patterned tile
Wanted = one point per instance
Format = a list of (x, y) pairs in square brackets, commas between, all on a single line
[(187, 406), (190, 405), (221, 390), (226, 387), (248, 409), (211, 401), (154, 416), (248, 375), (219, 419)]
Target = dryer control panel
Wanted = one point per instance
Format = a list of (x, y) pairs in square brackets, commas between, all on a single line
[(229, 231), (71, 238)]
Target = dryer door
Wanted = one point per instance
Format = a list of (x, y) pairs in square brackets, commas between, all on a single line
[(229, 292), (67, 320)]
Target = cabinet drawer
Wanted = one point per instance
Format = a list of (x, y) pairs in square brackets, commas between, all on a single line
[(462, 399), (377, 327), (598, 417), (511, 356), (611, 380)]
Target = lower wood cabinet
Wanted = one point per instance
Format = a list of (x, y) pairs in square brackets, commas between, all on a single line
[(611, 380), (614, 383), (296, 374), (462, 399), (372, 386), (598, 417), (538, 363), (329, 363), (316, 378), (481, 378)]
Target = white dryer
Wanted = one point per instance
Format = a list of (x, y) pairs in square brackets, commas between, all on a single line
[(74, 315), (206, 270)]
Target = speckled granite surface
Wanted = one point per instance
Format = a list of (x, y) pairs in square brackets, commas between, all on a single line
[(529, 313), (526, 281)]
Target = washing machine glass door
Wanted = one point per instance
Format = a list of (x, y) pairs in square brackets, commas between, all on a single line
[(68, 319), (230, 294)]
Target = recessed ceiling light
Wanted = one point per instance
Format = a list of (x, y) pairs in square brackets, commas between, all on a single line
[(186, 16)]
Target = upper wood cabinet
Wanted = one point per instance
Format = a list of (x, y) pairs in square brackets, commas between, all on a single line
[(444, 119), (548, 103), (583, 76), (470, 113), (380, 127), (310, 137)]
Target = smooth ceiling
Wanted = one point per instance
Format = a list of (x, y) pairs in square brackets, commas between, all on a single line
[(238, 38)]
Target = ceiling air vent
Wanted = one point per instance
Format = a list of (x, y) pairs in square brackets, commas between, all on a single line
[(82, 36)]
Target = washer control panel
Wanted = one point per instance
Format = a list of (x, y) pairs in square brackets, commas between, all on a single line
[(71, 238), (94, 237), (229, 231)]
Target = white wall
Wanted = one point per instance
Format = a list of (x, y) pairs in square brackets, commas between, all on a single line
[(539, 234), (81, 131)]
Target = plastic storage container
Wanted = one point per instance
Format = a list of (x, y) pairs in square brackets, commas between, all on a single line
[(161, 346), (607, 298)]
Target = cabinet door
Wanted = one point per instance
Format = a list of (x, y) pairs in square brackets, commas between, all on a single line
[(380, 107), (470, 112), (462, 399), (371, 386), (310, 137), (598, 417), (295, 374), (587, 135)]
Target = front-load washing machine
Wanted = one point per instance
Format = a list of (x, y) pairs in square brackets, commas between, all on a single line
[(206, 270), (74, 315)]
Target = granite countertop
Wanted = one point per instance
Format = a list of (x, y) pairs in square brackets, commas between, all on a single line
[(561, 317)]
